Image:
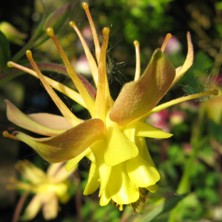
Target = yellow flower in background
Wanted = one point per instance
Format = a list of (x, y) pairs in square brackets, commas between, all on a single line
[(114, 138), (48, 188)]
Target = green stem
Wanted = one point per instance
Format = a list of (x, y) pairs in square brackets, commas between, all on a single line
[(185, 182)]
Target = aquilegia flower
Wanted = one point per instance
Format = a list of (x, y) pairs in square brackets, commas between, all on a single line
[(48, 188), (114, 138)]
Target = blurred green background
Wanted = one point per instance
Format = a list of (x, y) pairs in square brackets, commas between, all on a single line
[(190, 162)]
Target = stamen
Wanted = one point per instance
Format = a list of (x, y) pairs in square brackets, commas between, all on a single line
[(89, 56), (71, 118), (93, 29), (72, 94), (137, 49), (182, 99), (70, 70), (103, 94), (165, 41)]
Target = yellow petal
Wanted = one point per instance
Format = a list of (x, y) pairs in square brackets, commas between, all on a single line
[(120, 188), (50, 206), (152, 188), (104, 198), (30, 172), (51, 121), (119, 147), (141, 169), (104, 174), (146, 130), (136, 98), (141, 172), (89, 56), (93, 180), (89, 101), (72, 94), (20, 119), (93, 29), (103, 99), (68, 144), (188, 61), (72, 164), (57, 172), (33, 208)]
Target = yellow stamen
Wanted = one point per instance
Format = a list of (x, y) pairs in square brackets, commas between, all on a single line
[(72, 94), (103, 94), (89, 56), (183, 99), (137, 49), (70, 70), (71, 118), (93, 29), (165, 41)]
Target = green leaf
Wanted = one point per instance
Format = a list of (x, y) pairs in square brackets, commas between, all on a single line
[(162, 206)]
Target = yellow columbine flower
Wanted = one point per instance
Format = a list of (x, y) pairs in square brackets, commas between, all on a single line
[(114, 138), (48, 188)]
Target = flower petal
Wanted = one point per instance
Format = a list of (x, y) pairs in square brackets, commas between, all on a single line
[(146, 130), (152, 188), (50, 206), (142, 173), (188, 61), (120, 188), (51, 121), (30, 172), (57, 172), (104, 198), (141, 169), (119, 148), (93, 180), (20, 119), (137, 97), (72, 164), (33, 208), (68, 144)]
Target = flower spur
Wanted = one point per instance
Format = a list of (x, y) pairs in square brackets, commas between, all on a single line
[(113, 139)]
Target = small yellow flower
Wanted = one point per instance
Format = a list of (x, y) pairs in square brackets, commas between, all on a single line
[(47, 188), (114, 138)]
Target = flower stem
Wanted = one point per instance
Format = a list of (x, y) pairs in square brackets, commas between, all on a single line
[(19, 207)]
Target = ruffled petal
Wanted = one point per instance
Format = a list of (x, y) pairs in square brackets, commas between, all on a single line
[(137, 97), (141, 169), (68, 144), (142, 173), (119, 147), (32, 124), (121, 189)]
